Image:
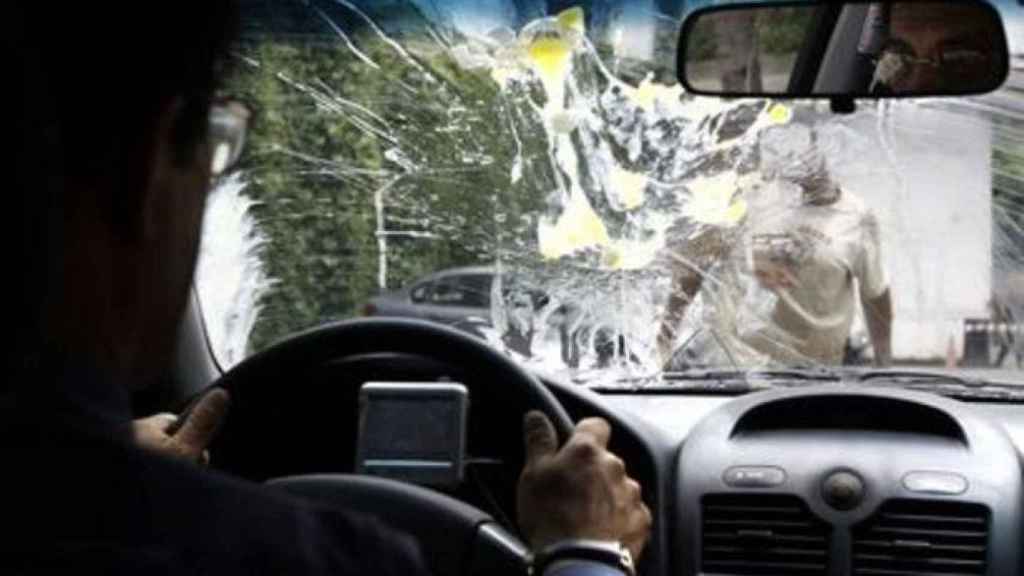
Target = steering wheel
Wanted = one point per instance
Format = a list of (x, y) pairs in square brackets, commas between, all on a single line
[(456, 538)]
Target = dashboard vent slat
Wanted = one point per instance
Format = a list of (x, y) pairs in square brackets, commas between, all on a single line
[(923, 538), (761, 535)]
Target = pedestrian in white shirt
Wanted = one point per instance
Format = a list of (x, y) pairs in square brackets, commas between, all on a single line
[(783, 286)]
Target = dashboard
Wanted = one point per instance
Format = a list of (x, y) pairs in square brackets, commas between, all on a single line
[(837, 480), (822, 480)]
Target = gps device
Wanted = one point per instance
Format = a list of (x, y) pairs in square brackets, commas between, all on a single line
[(413, 432)]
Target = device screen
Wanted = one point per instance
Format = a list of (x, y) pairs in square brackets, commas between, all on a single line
[(412, 428), (413, 433)]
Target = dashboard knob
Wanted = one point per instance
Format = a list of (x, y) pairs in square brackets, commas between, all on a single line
[(843, 490)]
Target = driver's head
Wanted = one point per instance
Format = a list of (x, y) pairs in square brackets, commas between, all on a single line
[(115, 109), (946, 46)]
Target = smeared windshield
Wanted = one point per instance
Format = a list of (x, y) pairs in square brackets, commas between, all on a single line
[(533, 174)]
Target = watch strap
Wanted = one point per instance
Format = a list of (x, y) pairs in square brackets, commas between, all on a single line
[(612, 554)]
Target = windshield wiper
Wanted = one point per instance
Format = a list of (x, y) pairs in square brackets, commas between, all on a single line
[(913, 376), (752, 379), (736, 381), (727, 382), (946, 384), (814, 374)]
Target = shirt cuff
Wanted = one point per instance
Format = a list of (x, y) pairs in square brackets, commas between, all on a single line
[(581, 568)]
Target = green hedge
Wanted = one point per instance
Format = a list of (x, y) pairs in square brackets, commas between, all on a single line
[(314, 171)]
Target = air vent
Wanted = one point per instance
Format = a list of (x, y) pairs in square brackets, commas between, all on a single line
[(921, 537), (762, 535)]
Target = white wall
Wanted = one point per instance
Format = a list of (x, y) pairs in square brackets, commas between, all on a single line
[(928, 175)]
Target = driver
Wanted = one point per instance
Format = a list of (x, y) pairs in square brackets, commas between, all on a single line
[(941, 47), (114, 170)]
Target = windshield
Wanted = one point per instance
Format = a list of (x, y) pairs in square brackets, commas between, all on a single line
[(532, 173)]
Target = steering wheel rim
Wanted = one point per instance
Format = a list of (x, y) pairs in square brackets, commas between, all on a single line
[(484, 546), (364, 336)]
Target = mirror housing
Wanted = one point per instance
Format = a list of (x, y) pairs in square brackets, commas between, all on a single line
[(844, 50)]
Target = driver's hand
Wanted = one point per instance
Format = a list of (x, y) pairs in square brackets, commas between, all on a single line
[(189, 442), (579, 492)]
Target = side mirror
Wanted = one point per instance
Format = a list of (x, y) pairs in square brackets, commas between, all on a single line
[(846, 49)]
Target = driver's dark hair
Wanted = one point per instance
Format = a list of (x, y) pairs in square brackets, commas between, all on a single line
[(92, 78), (110, 66)]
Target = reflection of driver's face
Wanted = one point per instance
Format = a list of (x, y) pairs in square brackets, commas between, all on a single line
[(951, 47)]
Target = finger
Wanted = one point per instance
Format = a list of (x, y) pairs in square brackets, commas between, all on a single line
[(539, 436), (161, 421), (199, 428), (616, 467), (165, 418), (634, 492), (204, 459), (596, 428), (646, 522), (638, 537)]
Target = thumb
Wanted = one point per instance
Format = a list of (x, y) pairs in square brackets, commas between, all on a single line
[(539, 436), (202, 423)]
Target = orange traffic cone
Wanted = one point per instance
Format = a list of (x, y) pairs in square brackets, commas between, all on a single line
[(951, 360)]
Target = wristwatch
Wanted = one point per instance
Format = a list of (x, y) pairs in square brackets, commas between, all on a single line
[(609, 553)]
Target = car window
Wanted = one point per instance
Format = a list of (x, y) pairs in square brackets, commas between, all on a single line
[(477, 289), (446, 293), (471, 291), (639, 228)]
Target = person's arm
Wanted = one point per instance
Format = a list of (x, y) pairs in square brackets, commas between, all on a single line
[(878, 316), (685, 286), (875, 294), (689, 260)]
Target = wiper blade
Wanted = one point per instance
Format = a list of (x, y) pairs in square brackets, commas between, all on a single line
[(768, 375), (729, 382), (913, 376), (946, 384), (735, 381), (805, 374), (710, 387)]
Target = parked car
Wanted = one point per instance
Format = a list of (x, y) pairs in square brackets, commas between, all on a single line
[(458, 297)]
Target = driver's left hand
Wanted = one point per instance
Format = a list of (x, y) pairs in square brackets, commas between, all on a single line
[(189, 441)]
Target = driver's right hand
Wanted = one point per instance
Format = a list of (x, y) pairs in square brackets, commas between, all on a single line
[(581, 491)]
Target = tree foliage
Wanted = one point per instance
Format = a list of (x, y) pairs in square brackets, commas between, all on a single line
[(335, 129)]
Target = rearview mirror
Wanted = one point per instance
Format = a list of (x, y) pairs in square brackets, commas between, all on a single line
[(844, 49)]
